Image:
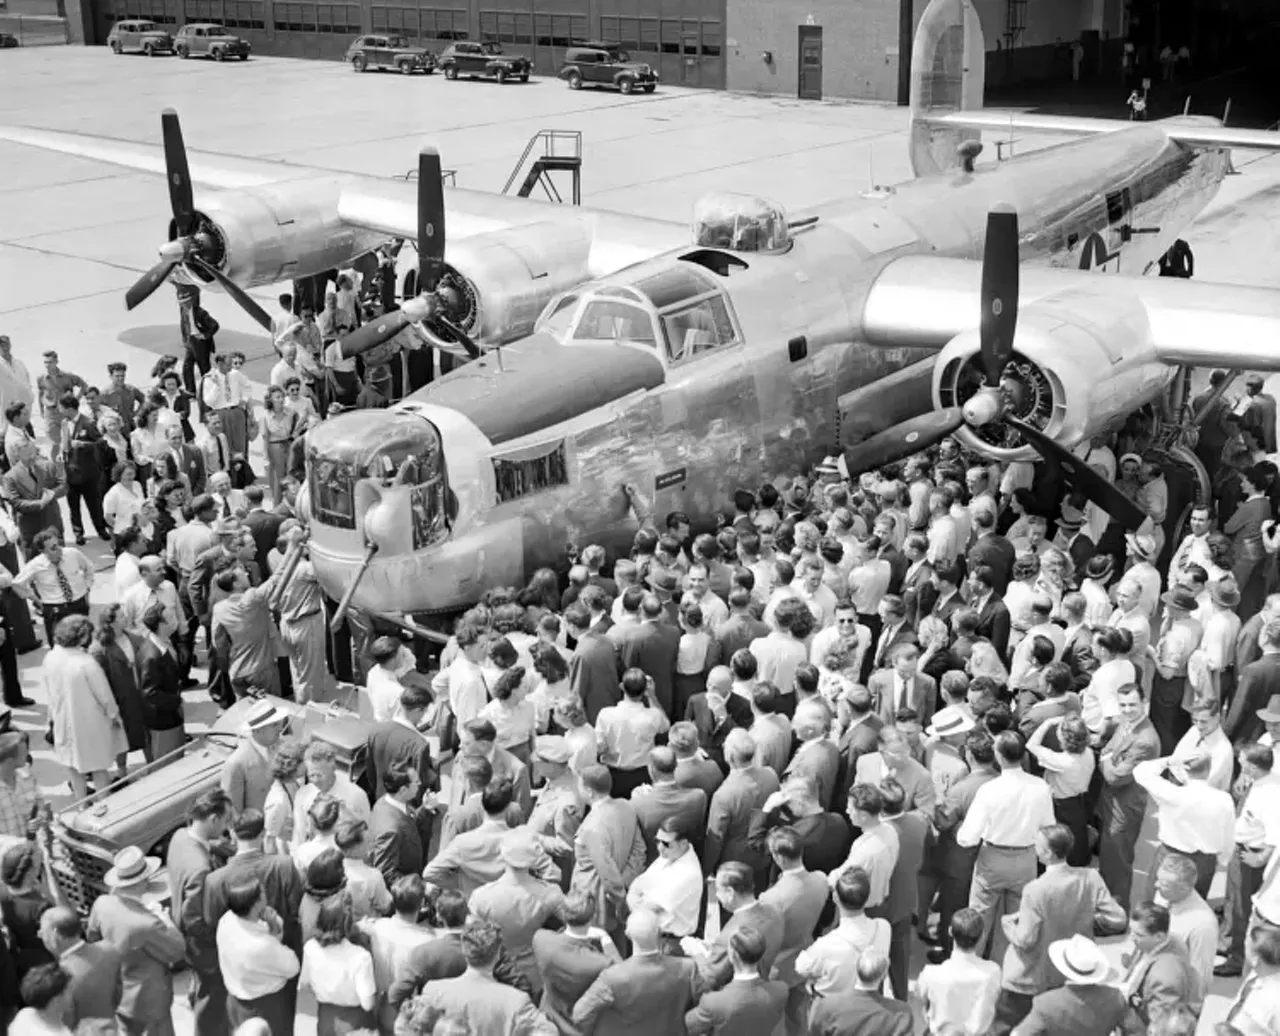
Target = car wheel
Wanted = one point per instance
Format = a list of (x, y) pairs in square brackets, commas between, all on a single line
[(405, 67), (575, 81), (183, 53), (428, 71), (627, 85), (244, 57), (358, 63), (502, 75), (451, 72), (149, 50), (219, 54), (115, 47), (650, 88), (524, 77)]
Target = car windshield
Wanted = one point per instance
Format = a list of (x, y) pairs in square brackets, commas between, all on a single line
[(217, 30), (397, 41), (619, 55), (492, 48), (145, 27)]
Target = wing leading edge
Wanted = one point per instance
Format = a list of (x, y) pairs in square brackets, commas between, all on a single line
[(1192, 131)]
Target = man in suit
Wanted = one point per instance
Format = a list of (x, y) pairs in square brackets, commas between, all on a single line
[(652, 646), (918, 592), (1260, 417), (149, 944), (190, 861), (817, 756), (750, 1004), (1062, 902), (400, 743), (1258, 682), (277, 874), (991, 549), (609, 849), (894, 632), (899, 906), (1158, 973), (994, 621), (736, 893), (717, 711), (246, 775), (395, 840), (189, 461), (569, 961), (904, 687), (263, 525), (894, 760), (646, 995), (663, 799), (80, 437), (740, 628), (863, 1010), (1073, 539), (824, 837), (743, 792), (1123, 803), (694, 767), (594, 670), (860, 738), (96, 985), (32, 489)]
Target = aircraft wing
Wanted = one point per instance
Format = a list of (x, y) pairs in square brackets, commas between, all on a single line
[(925, 301), (1193, 131)]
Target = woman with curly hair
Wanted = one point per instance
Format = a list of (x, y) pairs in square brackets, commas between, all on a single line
[(287, 771), (696, 653), (1018, 597), (338, 972), (116, 651), (22, 900), (552, 687), (1068, 768), (543, 591), (123, 501), (148, 442), (512, 714)]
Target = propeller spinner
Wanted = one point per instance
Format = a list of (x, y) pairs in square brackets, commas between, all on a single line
[(996, 331), (428, 308), (188, 246)]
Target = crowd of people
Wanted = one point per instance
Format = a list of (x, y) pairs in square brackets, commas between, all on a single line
[(737, 781)]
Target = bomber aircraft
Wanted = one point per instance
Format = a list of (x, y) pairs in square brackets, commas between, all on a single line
[(616, 360)]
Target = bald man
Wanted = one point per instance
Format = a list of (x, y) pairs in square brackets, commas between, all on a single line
[(154, 589)]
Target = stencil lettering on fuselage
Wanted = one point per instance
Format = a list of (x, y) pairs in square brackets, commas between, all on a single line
[(1095, 256)]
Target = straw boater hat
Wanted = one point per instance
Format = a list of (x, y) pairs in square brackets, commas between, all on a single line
[(1071, 518), (1271, 714), (264, 714), (1181, 597), (1100, 566), (829, 466), (1081, 961), (949, 721), (1143, 546), (130, 867)]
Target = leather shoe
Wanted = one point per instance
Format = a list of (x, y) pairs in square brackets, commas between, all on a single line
[(937, 955), (1228, 969), (21, 703)]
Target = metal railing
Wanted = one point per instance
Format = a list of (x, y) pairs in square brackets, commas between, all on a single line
[(448, 176), (34, 30), (551, 139)]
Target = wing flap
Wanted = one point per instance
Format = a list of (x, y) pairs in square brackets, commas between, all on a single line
[(922, 302)]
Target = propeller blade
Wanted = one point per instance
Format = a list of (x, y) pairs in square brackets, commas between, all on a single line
[(459, 335), (148, 282), (903, 439), (431, 232), (375, 333), (235, 291), (1079, 475), (181, 199), (999, 291)]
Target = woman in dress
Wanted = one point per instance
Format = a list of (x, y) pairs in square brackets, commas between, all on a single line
[(170, 497), (695, 655), (23, 898), (513, 716), (280, 426), (113, 435), (287, 773), (148, 442), (1068, 769), (176, 400), (300, 403), (1245, 529), (552, 687), (123, 500), (338, 972), (1018, 597), (116, 650), (159, 684), (88, 732)]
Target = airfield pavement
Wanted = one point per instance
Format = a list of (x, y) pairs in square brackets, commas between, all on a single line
[(74, 234)]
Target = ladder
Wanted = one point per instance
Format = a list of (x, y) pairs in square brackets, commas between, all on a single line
[(550, 150)]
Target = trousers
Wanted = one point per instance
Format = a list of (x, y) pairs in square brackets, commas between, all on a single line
[(999, 877)]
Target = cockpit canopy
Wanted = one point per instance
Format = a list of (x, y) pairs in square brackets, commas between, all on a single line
[(740, 223)]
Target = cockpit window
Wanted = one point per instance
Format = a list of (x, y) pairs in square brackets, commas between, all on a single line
[(609, 321), (332, 491), (697, 329), (558, 317)]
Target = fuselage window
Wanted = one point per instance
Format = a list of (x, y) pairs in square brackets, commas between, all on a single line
[(697, 329), (517, 478), (609, 321)]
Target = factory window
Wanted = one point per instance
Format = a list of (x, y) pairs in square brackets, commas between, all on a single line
[(506, 26), (670, 37), (711, 39), (553, 30), (517, 478), (623, 31), (445, 24), (155, 10), (648, 41), (240, 15)]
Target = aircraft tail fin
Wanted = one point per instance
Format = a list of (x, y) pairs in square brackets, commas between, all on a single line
[(948, 75)]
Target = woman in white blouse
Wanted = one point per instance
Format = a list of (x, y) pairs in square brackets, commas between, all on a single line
[(1068, 769), (694, 656), (512, 715), (338, 972), (110, 425), (148, 441), (286, 778), (123, 500), (553, 687), (1018, 597)]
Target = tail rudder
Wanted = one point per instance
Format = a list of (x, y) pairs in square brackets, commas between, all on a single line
[(948, 74)]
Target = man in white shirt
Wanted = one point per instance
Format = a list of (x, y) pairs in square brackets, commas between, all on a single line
[(875, 851), (626, 733), (1191, 919), (1194, 548), (463, 682), (323, 778), (1206, 737), (1257, 835), (944, 534), (961, 992), (671, 886), (829, 963), (1004, 818), (820, 598), (697, 589), (256, 966), (382, 685), (1256, 1010), (287, 366), (1194, 819), (283, 322)]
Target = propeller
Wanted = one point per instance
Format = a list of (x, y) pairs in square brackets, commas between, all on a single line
[(188, 244), (995, 336), (427, 308)]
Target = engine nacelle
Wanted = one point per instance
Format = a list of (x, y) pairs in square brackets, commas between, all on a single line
[(1082, 360), (501, 281), (264, 235)]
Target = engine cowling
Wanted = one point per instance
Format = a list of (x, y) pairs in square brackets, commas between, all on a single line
[(1081, 360), (496, 285), (264, 235)]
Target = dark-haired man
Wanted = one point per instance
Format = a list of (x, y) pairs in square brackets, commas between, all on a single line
[(278, 874), (750, 1004), (395, 841), (80, 441)]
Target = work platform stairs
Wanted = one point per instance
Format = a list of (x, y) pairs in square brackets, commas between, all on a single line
[(549, 151)]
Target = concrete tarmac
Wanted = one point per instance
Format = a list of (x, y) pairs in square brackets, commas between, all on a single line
[(75, 234)]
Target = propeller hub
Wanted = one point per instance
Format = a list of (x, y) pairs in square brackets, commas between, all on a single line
[(418, 308), (983, 408), (175, 250)]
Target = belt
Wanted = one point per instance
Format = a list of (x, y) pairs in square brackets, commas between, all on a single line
[(1007, 848), (299, 618), (278, 442), (1187, 852), (65, 604)]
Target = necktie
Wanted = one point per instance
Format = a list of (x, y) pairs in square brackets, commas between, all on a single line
[(64, 584), (222, 457), (226, 509)]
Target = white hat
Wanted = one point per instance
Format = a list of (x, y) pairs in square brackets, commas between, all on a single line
[(130, 867), (1081, 961), (264, 714), (949, 721)]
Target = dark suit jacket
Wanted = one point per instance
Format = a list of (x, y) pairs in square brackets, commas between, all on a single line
[(856, 1012), (23, 490), (652, 646), (594, 672), (122, 675), (765, 918), (738, 631), (263, 525), (710, 736), (994, 623), (394, 744), (82, 465), (642, 996), (158, 677), (860, 739), (883, 656), (998, 554), (819, 759), (1080, 550), (281, 888), (96, 983), (190, 865), (918, 594), (654, 803), (801, 897), (395, 842), (442, 958), (900, 903), (898, 565), (1072, 1009), (1119, 756), (740, 1009), (826, 837), (729, 819), (697, 772), (568, 966), (1258, 682)]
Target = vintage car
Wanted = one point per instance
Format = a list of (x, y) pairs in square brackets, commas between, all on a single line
[(486, 60), (8, 39), (207, 39), (606, 64), (389, 52), (139, 35), (151, 803)]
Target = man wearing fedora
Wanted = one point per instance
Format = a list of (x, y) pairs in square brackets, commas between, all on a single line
[(150, 944), (1180, 635), (1073, 539), (1259, 684), (246, 775), (1086, 1003)]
